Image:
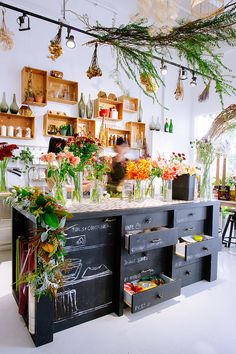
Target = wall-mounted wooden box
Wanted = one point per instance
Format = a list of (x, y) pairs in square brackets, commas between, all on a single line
[(38, 86), (86, 127), (104, 103), (16, 120), (53, 122), (137, 134), (130, 104), (62, 91), (115, 133)]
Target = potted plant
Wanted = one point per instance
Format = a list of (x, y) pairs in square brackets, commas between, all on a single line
[(38, 96), (64, 129)]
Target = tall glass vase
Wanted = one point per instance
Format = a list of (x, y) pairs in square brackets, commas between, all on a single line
[(96, 191), (150, 188), (167, 190), (77, 194), (139, 190), (60, 193), (3, 170), (205, 185)]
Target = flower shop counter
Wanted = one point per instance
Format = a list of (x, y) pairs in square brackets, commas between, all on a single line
[(134, 254)]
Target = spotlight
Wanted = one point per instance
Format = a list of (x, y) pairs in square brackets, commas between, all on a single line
[(23, 22), (183, 74), (163, 68), (194, 80), (70, 43)]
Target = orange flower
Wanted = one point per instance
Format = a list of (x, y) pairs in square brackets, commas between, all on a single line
[(138, 169)]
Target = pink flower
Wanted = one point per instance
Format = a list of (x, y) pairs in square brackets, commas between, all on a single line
[(69, 155), (74, 160), (61, 156), (48, 157)]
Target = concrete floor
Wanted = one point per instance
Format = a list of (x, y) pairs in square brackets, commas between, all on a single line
[(200, 321)]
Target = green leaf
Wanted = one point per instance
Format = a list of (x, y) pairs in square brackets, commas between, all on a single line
[(40, 200), (51, 220), (50, 173), (62, 222), (44, 236)]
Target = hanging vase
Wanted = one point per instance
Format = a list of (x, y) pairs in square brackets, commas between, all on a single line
[(150, 188), (96, 191), (140, 112), (81, 106), (89, 108), (4, 105), (205, 184), (167, 190), (139, 190), (3, 170), (14, 109), (77, 194), (59, 192)]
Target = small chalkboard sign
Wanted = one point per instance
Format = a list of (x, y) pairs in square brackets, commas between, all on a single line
[(224, 193)]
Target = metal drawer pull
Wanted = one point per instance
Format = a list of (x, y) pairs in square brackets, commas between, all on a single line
[(159, 296), (148, 220), (204, 248), (189, 229), (156, 240), (110, 220), (190, 214), (188, 272)]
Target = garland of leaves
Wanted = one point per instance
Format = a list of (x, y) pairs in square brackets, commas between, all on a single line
[(135, 47), (48, 241)]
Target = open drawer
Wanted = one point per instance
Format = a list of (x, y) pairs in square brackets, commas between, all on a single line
[(191, 250), (151, 239), (142, 300)]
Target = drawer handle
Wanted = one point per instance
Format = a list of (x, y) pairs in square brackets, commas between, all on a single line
[(189, 229), (148, 220), (156, 240), (188, 272), (110, 220), (159, 296), (190, 214), (204, 248)]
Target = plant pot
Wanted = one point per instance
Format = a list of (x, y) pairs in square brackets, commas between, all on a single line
[(30, 99), (183, 187), (63, 131), (39, 99)]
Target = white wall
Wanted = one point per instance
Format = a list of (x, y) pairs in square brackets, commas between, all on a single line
[(31, 50)]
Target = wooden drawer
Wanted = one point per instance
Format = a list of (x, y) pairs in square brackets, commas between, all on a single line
[(191, 228), (146, 241), (161, 293), (148, 220), (190, 214), (190, 273), (191, 251)]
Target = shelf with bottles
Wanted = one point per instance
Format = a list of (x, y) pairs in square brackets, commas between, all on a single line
[(62, 91), (130, 104), (86, 127), (34, 86), (112, 134), (137, 134), (59, 125), (109, 109), (14, 126)]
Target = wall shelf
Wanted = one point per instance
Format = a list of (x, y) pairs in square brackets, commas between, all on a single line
[(107, 104), (57, 121), (124, 133), (130, 104), (39, 83), (17, 120), (137, 134), (86, 126), (62, 91)]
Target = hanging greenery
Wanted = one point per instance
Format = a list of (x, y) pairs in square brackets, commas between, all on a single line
[(196, 42)]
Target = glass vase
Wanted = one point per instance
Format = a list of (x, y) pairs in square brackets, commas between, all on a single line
[(4, 105), (81, 106), (89, 108), (167, 190), (205, 184), (14, 109), (59, 192), (3, 170), (150, 189), (96, 191), (139, 190), (77, 194), (128, 190)]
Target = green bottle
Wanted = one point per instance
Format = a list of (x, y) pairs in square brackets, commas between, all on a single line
[(171, 126), (166, 126)]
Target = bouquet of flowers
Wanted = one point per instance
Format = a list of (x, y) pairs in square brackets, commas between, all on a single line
[(6, 152), (138, 170)]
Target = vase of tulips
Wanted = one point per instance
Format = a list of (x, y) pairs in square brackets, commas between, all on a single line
[(139, 171), (6, 152)]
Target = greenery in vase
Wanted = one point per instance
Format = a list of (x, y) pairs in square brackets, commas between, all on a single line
[(6, 152), (26, 157)]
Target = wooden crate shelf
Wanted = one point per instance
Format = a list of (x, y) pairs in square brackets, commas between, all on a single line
[(57, 121), (86, 127), (124, 133), (107, 104), (39, 83), (17, 120), (130, 104), (137, 134), (62, 91)]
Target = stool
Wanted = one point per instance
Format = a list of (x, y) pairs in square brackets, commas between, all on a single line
[(230, 223)]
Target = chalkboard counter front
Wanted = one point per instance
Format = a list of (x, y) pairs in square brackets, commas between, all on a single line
[(113, 245)]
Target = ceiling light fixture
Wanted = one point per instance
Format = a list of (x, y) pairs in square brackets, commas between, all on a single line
[(183, 74), (23, 22), (163, 68), (194, 80), (70, 43)]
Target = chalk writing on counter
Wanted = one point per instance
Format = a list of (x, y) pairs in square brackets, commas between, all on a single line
[(131, 227), (135, 260), (77, 228)]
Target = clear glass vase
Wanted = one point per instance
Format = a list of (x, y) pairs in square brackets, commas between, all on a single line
[(59, 192), (167, 190), (150, 189), (3, 171), (205, 184), (128, 190), (77, 194), (96, 191), (139, 190)]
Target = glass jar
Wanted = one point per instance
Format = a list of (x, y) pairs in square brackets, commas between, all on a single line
[(96, 191), (139, 190), (167, 190), (128, 190)]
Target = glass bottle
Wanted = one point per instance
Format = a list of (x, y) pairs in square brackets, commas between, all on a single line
[(14, 109), (166, 126), (158, 125), (89, 108), (81, 106), (4, 105), (152, 124), (140, 112), (171, 126)]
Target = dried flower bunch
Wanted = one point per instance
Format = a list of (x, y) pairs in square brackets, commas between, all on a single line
[(149, 83), (179, 91), (94, 69), (55, 48), (6, 36)]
